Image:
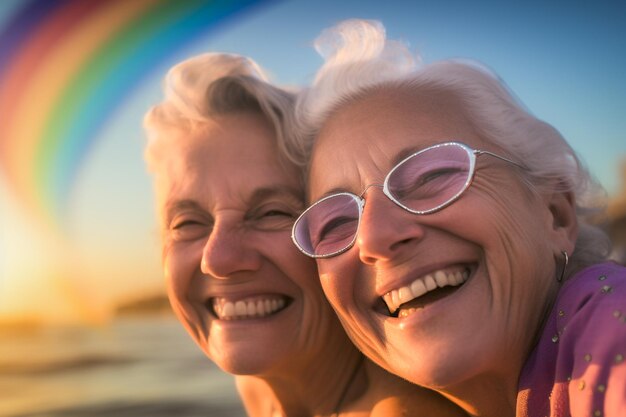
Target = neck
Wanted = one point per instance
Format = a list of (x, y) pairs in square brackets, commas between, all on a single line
[(487, 397), (307, 387)]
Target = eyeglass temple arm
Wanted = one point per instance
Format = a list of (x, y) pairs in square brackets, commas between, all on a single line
[(479, 152)]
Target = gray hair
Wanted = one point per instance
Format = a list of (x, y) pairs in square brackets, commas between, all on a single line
[(360, 60), (214, 84)]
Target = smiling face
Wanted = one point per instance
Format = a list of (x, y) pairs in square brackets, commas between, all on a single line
[(491, 249), (249, 299)]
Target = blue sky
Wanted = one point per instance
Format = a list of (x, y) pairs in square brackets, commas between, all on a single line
[(565, 60)]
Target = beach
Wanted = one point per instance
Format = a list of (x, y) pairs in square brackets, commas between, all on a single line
[(134, 366)]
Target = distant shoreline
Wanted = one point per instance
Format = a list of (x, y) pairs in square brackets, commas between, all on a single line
[(153, 304)]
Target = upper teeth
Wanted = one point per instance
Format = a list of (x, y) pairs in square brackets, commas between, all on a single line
[(252, 307), (422, 285)]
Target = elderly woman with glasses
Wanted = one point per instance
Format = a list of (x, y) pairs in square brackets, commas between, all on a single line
[(229, 187), (451, 230)]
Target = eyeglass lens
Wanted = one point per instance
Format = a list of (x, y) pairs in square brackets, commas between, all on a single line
[(329, 226), (421, 183), (428, 179)]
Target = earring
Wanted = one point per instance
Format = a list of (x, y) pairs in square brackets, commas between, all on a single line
[(566, 261)]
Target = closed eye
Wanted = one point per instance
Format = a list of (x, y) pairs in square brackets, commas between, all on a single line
[(433, 175), (333, 226), (186, 223), (277, 213), (190, 229), (273, 218)]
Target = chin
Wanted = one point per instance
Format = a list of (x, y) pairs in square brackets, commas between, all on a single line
[(244, 358), (428, 366), (249, 352), (243, 364), (433, 376)]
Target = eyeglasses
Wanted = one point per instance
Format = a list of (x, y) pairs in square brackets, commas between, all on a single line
[(423, 183)]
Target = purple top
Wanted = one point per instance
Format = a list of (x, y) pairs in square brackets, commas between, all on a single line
[(578, 367)]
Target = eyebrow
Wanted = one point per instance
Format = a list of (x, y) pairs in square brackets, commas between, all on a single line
[(405, 153), (399, 156), (259, 195), (178, 205), (294, 195)]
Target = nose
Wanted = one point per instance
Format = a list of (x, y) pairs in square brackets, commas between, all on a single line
[(386, 230), (227, 252)]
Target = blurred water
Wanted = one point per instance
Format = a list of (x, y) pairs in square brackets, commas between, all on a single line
[(138, 366)]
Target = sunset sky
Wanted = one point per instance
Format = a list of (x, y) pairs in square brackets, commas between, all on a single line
[(73, 254)]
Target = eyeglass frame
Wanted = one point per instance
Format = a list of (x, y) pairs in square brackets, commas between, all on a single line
[(360, 200)]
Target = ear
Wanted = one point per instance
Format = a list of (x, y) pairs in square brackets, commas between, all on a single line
[(563, 229)]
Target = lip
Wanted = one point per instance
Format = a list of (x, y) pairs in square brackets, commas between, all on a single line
[(432, 308)]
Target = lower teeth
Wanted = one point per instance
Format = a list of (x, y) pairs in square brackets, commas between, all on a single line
[(406, 312)]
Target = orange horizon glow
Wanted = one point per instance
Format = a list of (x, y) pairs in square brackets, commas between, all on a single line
[(46, 278)]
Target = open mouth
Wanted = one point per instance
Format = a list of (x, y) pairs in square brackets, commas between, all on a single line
[(247, 308), (404, 301)]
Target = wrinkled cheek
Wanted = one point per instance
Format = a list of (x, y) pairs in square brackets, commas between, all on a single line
[(342, 298), (367, 338), (332, 290), (339, 299), (174, 273), (177, 283), (173, 285), (337, 280), (359, 328)]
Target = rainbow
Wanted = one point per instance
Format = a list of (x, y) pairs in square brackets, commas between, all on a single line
[(66, 65)]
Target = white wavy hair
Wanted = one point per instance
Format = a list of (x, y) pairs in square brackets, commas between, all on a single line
[(359, 60), (213, 84)]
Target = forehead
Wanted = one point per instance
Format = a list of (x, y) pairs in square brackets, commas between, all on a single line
[(235, 152), (363, 139)]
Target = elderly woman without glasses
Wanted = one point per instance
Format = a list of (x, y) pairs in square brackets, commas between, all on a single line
[(228, 190), (450, 228)]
